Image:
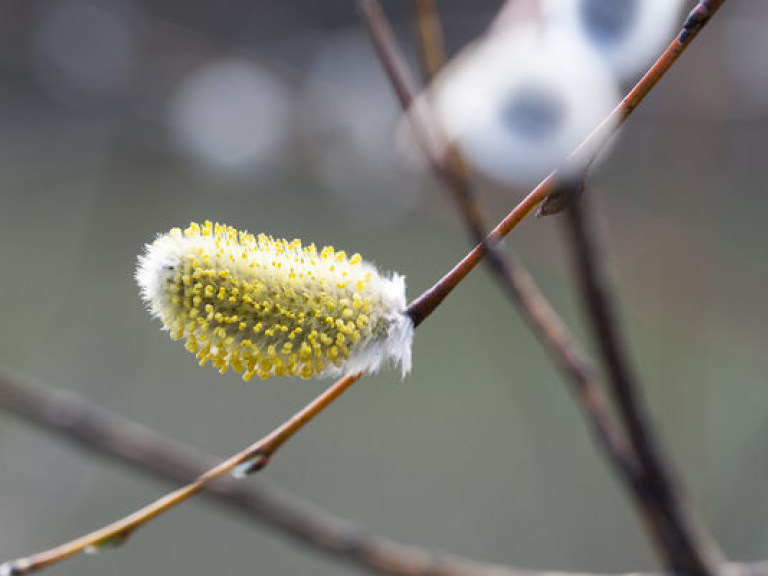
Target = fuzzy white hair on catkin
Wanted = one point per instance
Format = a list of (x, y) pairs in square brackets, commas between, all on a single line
[(397, 344), (361, 321)]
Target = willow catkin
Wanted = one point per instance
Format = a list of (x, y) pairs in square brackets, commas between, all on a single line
[(268, 307)]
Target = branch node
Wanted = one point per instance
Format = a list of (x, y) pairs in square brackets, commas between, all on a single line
[(695, 21), (259, 460), (14, 568)]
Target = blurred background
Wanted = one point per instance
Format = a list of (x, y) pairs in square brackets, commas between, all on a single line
[(120, 119)]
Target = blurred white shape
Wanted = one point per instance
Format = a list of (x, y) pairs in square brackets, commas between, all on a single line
[(629, 34), (84, 48), (348, 117), (230, 116), (517, 104)]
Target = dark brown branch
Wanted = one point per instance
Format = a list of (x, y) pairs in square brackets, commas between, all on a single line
[(446, 165), (106, 435), (687, 547), (449, 168), (96, 430), (430, 34), (249, 460), (419, 309)]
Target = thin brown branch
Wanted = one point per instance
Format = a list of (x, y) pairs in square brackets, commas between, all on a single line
[(419, 310), (512, 275), (253, 458), (535, 309), (69, 416), (424, 305), (430, 33), (447, 165), (686, 545), (688, 548)]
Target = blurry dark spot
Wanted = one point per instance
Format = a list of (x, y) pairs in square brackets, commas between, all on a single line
[(533, 112), (9, 569), (608, 21), (169, 274)]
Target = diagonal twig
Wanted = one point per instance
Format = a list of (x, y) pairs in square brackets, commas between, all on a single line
[(418, 310), (686, 545), (583, 156), (430, 33), (71, 417), (253, 458), (68, 415), (450, 170), (689, 548)]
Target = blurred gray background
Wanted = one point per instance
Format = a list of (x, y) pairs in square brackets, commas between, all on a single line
[(120, 119)]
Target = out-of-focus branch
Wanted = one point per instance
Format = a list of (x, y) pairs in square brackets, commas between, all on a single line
[(96, 430), (249, 460), (689, 548), (686, 545), (430, 33), (449, 168), (420, 308)]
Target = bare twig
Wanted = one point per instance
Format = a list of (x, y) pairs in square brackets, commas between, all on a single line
[(430, 38), (450, 170), (418, 310), (584, 155), (688, 548), (448, 165), (96, 430), (520, 286), (253, 458), (540, 316)]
